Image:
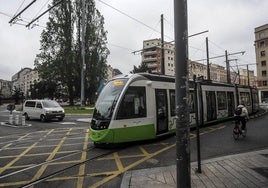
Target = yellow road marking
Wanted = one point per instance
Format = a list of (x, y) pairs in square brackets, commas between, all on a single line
[(144, 151), (6, 146), (80, 177), (82, 167), (118, 162), (51, 156), (20, 155)]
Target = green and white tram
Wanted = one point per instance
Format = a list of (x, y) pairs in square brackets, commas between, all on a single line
[(142, 106)]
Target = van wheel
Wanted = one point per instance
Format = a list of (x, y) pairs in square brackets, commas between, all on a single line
[(43, 118), (60, 119), (26, 116)]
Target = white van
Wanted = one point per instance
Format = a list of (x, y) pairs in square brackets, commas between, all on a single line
[(43, 110)]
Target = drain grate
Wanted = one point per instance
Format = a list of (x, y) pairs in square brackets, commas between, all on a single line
[(262, 171)]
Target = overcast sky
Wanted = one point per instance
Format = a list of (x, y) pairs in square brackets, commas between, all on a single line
[(230, 23)]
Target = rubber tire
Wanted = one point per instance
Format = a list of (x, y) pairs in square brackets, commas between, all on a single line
[(26, 116), (236, 133), (43, 118)]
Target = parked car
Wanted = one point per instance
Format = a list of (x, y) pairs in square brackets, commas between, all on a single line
[(43, 110)]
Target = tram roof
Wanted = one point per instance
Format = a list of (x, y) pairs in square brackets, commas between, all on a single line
[(167, 78)]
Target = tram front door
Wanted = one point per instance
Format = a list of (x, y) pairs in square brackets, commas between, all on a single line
[(161, 111)]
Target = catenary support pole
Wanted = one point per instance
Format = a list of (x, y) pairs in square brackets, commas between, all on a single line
[(208, 67), (162, 46), (82, 100), (227, 67), (182, 88), (196, 107)]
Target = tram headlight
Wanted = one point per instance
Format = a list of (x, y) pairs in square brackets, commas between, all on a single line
[(103, 125), (99, 125)]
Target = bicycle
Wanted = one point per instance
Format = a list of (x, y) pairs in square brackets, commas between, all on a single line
[(238, 132)]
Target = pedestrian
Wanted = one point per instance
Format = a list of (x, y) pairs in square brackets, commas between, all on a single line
[(241, 116)]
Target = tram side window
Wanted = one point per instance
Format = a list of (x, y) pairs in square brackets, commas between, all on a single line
[(172, 102), (245, 98), (222, 102), (133, 104)]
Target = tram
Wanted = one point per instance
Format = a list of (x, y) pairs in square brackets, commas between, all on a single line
[(141, 106)]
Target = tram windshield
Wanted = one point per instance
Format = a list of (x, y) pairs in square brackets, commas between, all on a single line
[(108, 97)]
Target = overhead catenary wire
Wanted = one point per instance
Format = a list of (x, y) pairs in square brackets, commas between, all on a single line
[(17, 15), (131, 17), (56, 4), (19, 7)]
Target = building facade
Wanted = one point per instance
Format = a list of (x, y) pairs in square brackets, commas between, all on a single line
[(151, 56), (24, 79), (261, 49)]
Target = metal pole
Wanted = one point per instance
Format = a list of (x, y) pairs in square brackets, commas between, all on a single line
[(182, 88), (197, 127), (162, 46), (248, 76), (208, 68), (227, 68), (83, 54)]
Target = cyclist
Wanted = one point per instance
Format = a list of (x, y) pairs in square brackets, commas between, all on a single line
[(241, 115)]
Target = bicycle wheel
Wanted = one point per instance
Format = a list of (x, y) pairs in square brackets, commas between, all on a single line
[(236, 133), (244, 132)]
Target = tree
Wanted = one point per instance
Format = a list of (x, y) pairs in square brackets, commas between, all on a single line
[(142, 68), (44, 89), (17, 95), (60, 58)]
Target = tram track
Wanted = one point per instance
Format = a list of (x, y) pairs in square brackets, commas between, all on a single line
[(51, 175)]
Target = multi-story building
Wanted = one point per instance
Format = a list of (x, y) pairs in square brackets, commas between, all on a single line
[(24, 79), (152, 56), (261, 49)]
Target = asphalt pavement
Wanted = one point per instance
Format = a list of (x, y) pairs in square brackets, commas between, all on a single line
[(248, 170)]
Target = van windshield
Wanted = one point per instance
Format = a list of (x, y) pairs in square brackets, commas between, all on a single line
[(50, 104)]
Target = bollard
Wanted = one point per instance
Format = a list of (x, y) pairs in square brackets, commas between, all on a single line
[(10, 119), (23, 120), (17, 120)]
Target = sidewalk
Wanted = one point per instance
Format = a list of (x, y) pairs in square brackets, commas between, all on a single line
[(239, 170)]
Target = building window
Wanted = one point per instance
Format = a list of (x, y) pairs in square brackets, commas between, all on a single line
[(263, 63), (263, 73), (262, 44), (264, 83), (261, 35), (262, 53)]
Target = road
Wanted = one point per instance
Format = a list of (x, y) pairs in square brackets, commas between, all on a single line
[(59, 154)]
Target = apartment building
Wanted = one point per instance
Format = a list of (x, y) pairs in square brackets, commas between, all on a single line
[(261, 49), (24, 79), (152, 56)]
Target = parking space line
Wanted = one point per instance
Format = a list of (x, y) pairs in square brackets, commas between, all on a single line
[(20, 155)]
